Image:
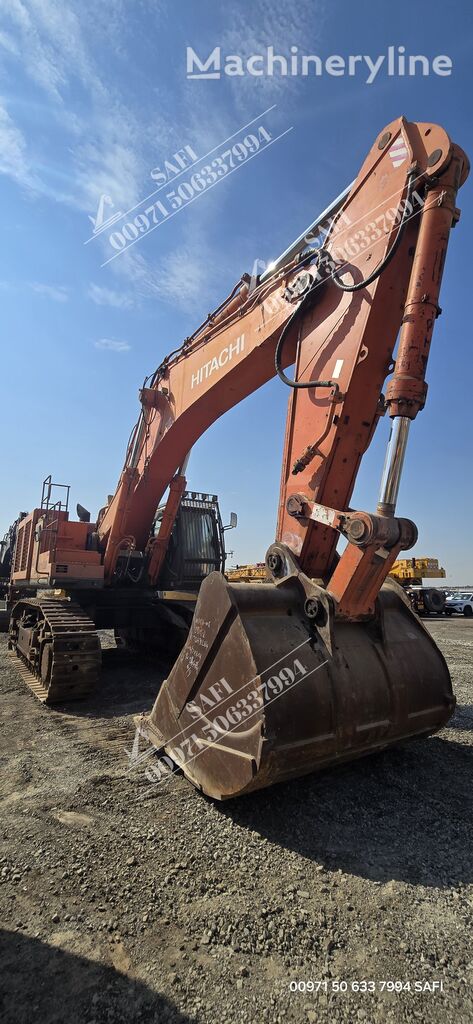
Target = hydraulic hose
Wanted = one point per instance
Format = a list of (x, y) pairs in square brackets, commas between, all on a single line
[(308, 298), (389, 255), (306, 302)]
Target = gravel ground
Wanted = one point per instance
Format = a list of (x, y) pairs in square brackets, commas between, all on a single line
[(126, 901)]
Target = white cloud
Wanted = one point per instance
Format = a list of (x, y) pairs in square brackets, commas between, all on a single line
[(8, 43), (181, 278), (109, 297), (13, 152), (114, 143), (53, 40), (110, 345), (105, 165), (269, 26), (59, 293), (52, 45)]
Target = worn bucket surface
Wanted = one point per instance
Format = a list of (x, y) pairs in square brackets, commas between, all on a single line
[(259, 695)]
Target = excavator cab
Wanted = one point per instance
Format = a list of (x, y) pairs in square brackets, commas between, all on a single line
[(194, 549), (196, 546)]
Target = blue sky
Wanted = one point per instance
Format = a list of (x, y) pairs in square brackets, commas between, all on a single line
[(92, 97)]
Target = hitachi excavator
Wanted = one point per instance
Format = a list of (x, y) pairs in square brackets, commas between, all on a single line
[(327, 662)]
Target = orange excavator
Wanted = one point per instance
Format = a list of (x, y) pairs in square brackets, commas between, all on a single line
[(327, 662)]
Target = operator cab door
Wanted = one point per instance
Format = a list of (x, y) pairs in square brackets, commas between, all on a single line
[(196, 546)]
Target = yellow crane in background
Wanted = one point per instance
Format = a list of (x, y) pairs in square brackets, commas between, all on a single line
[(409, 572)]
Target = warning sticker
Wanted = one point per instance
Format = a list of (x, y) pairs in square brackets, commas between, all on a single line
[(398, 152)]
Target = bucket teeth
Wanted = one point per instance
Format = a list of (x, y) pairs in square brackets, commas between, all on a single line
[(256, 697)]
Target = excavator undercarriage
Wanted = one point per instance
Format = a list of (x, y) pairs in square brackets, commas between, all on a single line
[(58, 649)]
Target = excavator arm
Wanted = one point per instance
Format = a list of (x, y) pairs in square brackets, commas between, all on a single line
[(335, 310), (326, 661)]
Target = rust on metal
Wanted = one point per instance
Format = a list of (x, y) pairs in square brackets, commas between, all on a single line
[(260, 694)]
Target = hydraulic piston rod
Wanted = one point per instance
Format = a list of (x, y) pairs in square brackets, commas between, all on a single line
[(310, 233), (393, 464)]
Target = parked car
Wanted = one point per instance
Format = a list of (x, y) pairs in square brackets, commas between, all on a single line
[(462, 604)]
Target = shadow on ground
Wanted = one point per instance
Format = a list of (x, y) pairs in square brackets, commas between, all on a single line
[(44, 984), (404, 814), (129, 684), (463, 718)]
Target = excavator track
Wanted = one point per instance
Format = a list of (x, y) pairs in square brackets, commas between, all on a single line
[(57, 649)]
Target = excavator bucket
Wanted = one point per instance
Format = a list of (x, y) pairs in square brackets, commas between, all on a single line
[(259, 694)]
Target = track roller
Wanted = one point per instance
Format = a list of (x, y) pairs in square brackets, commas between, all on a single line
[(57, 647)]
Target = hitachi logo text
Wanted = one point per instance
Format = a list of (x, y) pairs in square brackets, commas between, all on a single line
[(226, 356)]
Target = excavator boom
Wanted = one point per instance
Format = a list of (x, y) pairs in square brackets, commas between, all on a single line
[(327, 662)]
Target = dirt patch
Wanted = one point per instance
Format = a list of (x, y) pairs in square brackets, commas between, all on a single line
[(121, 900)]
